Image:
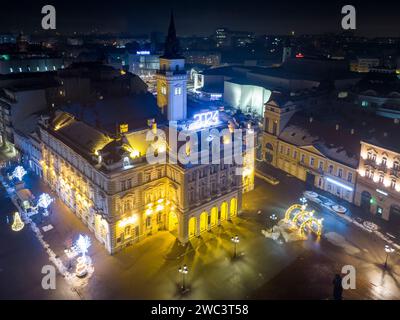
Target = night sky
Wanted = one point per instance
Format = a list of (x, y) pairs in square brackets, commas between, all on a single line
[(201, 17)]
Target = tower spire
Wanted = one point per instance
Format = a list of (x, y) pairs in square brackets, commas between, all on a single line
[(171, 48)]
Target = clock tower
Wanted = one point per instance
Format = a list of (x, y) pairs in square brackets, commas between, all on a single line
[(172, 78)]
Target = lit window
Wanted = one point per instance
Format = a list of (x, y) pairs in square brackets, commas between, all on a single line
[(45, 67), (37, 69), (20, 69), (54, 67), (11, 70), (164, 90), (126, 162), (178, 91)]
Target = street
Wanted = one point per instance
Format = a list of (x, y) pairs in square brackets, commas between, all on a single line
[(262, 269)]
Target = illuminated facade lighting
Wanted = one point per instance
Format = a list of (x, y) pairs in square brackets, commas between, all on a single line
[(339, 184)]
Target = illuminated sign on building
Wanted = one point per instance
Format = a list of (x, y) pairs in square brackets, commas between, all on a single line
[(339, 184), (143, 52), (205, 119), (382, 192)]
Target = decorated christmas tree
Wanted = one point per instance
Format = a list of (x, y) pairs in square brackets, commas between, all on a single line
[(18, 224)]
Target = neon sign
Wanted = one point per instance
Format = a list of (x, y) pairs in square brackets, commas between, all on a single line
[(143, 52), (205, 119)]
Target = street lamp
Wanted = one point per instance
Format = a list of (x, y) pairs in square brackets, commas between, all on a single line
[(235, 241), (273, 216), (388, 251), (184, 271)]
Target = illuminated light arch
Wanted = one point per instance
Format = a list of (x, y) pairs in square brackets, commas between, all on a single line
[(291, 209), (192, 227), (214, 217), (301, 215), (233, 207), (315, 225), (224, 211), (203, 221), (172, 221)]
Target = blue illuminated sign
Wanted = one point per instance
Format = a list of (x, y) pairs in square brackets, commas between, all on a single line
[(205, 119)]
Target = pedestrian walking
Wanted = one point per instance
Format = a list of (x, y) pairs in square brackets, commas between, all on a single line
[(337, 287)]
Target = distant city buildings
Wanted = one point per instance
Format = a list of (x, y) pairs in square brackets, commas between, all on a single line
[(22, 57)]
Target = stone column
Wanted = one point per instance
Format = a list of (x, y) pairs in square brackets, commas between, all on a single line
[(183, 227)]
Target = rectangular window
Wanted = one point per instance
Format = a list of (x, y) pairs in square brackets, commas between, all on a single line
[(350, 177), (303, 158), (340, 173), (321, 165), (294, 154), (178, 91), (312, 162), (163, 89)]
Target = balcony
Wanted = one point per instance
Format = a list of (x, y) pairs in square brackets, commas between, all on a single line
[(395, 172), (370, 162)]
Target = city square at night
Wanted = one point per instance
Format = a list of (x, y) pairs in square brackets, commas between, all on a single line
[(199, 157)]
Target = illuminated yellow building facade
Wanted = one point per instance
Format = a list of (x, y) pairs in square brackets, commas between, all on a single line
[(290, 144), (124, 201), (107, 180), (378, 185)]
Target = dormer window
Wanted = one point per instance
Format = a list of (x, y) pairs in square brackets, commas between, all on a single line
[(178, 91), (126, 162)]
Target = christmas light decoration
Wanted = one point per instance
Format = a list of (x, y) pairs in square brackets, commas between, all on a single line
[(44, 202), (19, 173), (83, 243), (18, 224)]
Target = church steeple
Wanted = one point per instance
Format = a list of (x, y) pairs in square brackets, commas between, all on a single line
[(171, 48)]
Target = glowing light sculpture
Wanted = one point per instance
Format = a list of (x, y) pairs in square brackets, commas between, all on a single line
[(83, 243), (19, 173), (44, 202), (18, 224)]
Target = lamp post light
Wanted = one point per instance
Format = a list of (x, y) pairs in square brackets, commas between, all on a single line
[(388, 251), (184, 271), (303, 200), (235, 240)]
